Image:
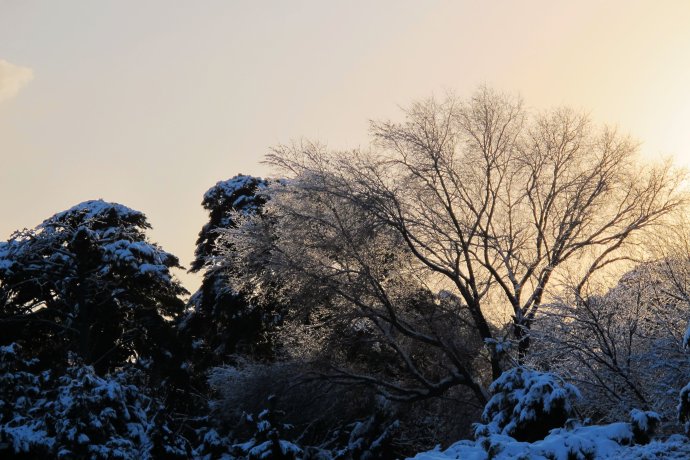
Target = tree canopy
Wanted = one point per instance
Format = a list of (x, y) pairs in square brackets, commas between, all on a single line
[(87, 280), (476, 202)]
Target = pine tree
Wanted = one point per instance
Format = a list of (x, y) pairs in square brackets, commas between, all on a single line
[(221, 321), (88, 281)]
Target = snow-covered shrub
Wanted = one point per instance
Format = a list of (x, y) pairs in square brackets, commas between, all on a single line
[(80, 414), (644, 424), (327, 420), (244, 388), (526, 405), (684, 408), (212, 445), (526, 419), (618, 440), (370, 439), (266, 442)]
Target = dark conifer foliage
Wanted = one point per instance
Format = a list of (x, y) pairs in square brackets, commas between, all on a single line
[(240, 194), (221, 321), (87, 280), (78, 414)]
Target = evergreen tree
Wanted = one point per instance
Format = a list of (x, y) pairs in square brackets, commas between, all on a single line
[(88, 281), (78, 414), (526, 405), (221, 321), (268, 440)]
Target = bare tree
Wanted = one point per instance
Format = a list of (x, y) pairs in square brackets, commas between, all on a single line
[(623, 349), (475, 198)]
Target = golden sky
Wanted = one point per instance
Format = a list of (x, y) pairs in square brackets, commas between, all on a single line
[(150, 103)]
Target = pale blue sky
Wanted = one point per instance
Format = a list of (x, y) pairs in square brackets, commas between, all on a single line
[(149, 103)]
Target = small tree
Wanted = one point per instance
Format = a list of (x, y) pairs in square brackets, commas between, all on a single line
[(87, 280), (267, 437), (526, 405)]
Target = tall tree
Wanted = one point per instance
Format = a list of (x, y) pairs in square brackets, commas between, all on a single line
[(476, 197), (221, 321), (88, 281)]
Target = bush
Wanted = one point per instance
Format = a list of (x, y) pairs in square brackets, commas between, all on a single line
[(526, 405), (79, 414)]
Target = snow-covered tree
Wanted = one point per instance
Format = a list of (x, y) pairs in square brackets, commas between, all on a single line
[(78, 414), (87, 280), (240, 194), (684, 396), (526, 405), (268, 440), (355, 296), (476, 197), (221, 321), (623, 348)]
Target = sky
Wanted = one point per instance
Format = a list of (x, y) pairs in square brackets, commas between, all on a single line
[(149, 103)]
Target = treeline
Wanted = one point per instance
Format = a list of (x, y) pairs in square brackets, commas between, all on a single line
[(451, 281)]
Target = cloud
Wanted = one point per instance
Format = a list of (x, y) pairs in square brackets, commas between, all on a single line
[(12, 79)]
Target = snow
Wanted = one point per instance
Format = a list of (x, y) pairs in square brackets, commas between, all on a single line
[(597, 442), (104, 416), (93, 209), (265, 449), (26, 436), (231, 186), (613, 441), (154, 269), (4, 263), (263, 426), (500, 346), (674, 447), (135, 254), (523, 398), (606, 441), (287, 447), (10, 349)]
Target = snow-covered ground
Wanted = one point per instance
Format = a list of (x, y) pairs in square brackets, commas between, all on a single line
[(592, 442)]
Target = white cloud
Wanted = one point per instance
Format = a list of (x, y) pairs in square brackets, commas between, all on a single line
[(12, 79)]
